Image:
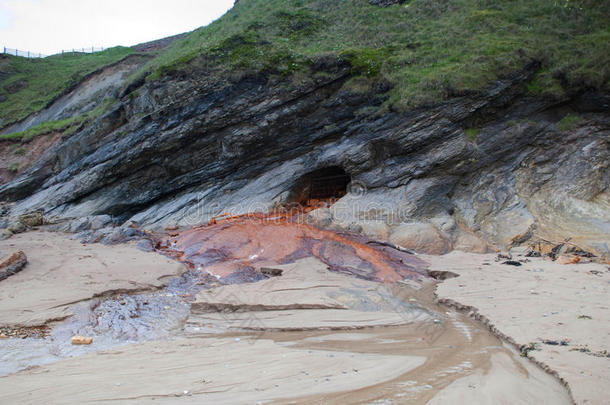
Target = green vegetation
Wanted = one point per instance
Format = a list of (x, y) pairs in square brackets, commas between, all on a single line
[(429, 50), (13, 168), (471, 134), (30, 84), (568, 122), (66, 126)]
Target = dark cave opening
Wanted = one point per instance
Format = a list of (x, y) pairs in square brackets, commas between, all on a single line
[(323, 185)]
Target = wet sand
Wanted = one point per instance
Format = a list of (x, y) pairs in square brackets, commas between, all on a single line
[(540, 301), (311, 336)]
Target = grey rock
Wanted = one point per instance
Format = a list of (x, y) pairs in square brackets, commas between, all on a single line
[(100, 221), (186, 150), (17, 227), (145, 245), (79, 225)]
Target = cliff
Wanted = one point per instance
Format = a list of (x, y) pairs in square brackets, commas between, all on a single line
[(480, 151)]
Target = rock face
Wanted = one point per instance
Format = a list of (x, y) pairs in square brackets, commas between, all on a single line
[(183, 150)]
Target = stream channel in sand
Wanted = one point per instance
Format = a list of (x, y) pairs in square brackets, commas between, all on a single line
[(346, 322)]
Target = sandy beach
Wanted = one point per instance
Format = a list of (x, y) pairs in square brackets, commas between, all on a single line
[(307, 336), (540, 301)]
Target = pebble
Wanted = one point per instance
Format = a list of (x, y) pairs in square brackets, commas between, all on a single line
[(81, 340)]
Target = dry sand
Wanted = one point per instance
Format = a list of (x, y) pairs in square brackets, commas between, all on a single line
[(61, 272), (541, 300)]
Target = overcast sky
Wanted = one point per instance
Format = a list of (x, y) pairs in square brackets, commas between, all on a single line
[(48, 26)]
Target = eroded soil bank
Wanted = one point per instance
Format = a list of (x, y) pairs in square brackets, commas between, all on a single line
[(336, 321)]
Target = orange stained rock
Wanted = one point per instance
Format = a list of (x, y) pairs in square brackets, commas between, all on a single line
[(235, 248)]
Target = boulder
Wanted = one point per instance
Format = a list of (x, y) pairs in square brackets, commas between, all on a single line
[(17, 227), (12, 264), (32, 219), (420, 237), (171, 226), (5, 234), (322, 217), (468, 242), (375, 229), (79, 225), (99, 221)]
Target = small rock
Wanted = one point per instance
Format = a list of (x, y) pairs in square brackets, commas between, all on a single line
[(269, 272), (568, 259), (81, 340), (503, 257), (512, 263), (442, 275)]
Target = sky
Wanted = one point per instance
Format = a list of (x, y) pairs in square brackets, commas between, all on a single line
[(48, 26)]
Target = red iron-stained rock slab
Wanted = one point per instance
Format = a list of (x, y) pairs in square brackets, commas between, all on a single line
[(235, 249)]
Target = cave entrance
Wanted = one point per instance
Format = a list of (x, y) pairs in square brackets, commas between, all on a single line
[(321, 187)]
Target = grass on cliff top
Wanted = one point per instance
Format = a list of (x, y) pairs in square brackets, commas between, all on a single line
[(430, 50), (28, 85), (66, 126)]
